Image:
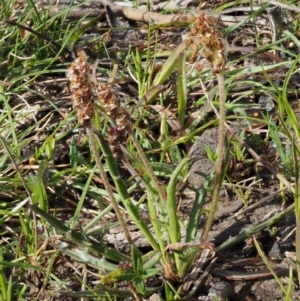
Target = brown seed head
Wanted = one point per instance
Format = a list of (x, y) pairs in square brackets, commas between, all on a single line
[(204, 33), (81, 88)]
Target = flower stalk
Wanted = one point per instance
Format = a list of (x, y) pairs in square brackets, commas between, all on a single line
[(111, 105), (205, 34), (83, 101)]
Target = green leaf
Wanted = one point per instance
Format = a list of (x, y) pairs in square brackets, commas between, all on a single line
[(186, 253), (195, 213), (80, 239), (49, 147), (168, 66), (138, 268), (20, 265), (123, 193), (137, 260), (37, 185), (174, 229), (181, 88), (117, 276), (84, 256), (150, 259), (3, 285), (73, 153), (83, 26)]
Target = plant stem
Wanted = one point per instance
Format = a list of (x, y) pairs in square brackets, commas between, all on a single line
[(89, 129), (123, 193), (219, 175)]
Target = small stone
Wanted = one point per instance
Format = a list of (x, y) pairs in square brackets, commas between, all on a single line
[(222, 290)]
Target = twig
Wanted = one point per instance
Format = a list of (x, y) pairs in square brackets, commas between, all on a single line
[(97, 8)]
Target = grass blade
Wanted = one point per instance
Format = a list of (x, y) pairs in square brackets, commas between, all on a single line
[(181, 88)]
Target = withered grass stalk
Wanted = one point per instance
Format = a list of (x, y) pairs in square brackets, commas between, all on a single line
[(83, 101)]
